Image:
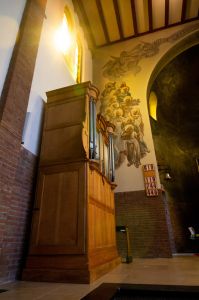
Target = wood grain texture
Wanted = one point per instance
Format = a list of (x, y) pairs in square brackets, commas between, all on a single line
[(73, 228), (58, 225)]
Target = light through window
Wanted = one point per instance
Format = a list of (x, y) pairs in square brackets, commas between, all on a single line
[(63, 37), (68, 43)]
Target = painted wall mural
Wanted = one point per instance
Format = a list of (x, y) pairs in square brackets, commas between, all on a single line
[(120, 108), (117, 67)]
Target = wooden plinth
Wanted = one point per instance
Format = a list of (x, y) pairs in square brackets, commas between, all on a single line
[(78, 275)]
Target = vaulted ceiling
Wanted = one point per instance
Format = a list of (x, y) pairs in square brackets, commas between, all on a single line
[(111, 21)]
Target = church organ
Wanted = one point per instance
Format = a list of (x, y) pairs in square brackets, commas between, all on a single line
[(73, 227)]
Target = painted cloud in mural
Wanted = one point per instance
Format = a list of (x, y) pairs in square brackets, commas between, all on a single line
[(127, 61), (120, 108)]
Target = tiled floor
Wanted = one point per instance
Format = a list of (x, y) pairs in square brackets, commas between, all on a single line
[(180, 270)]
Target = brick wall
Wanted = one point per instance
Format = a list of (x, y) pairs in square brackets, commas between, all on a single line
[(16, 164), (145, 217), (17, 203)]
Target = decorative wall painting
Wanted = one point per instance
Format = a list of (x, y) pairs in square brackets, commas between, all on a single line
[(120, 108)]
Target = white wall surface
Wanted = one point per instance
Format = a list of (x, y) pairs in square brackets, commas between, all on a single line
[(51, 70), (10, 16)]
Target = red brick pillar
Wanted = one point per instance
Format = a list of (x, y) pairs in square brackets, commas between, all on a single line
[(13, 106)]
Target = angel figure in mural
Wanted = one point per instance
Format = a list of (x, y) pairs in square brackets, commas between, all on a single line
[(120, 108), (139, 125), (132, 146), (117, 66), (128, 60), (119, 144), (133, 133), (143, 146)]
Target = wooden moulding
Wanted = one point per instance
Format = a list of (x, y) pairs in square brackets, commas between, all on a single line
[(69, 92)]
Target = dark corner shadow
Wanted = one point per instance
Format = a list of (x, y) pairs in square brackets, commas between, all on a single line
[(2, 290), (117, 291)]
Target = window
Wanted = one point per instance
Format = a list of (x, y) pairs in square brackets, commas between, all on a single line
[(68, 42)]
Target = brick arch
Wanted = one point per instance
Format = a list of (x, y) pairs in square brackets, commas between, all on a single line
[(178, 205), (186, 43)]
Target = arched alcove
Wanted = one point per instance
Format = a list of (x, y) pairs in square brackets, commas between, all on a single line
[(175, 83)]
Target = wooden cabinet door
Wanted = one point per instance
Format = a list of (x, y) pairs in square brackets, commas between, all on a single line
[(59, 215)]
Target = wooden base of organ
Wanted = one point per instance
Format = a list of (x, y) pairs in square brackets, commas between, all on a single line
[(73, 230), (66, 275)]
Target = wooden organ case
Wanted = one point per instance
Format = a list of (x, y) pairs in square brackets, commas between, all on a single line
[(73, 228)]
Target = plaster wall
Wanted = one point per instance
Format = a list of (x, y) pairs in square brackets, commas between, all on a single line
[(10, 16), (51, 70), (135, 67)]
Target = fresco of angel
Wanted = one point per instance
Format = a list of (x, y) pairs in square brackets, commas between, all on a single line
[(120, 108)]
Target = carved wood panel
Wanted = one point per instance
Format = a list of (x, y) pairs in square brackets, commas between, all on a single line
[(62, 198)]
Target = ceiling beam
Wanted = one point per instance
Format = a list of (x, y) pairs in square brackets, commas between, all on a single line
[(102, 19), (166, 13), (119, 23), (147, 32), (134, 17), (183, 13), (150, 13)]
